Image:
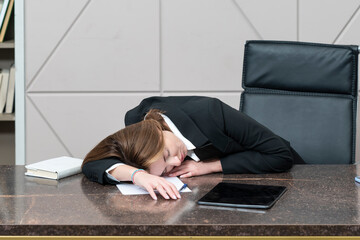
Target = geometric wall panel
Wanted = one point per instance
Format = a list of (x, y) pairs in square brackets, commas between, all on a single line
[(45, 24), (202, 45), (112, 46), (41, 142), (351, 34), (324, 20), (81, 120), (273, 20)]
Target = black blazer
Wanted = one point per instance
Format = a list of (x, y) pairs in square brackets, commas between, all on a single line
[(217, 130)]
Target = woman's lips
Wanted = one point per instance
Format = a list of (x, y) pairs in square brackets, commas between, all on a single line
[(183, 156)]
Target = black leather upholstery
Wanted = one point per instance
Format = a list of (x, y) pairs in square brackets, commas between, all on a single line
[(307, 94)]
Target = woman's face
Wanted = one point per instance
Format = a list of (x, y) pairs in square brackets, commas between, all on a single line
[(173, 155)]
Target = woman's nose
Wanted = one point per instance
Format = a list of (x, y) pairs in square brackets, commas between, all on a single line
[(175, 161)]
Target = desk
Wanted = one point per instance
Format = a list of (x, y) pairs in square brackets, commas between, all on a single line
[(322, 200)]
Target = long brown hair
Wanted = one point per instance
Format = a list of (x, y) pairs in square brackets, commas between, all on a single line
[(137, 145)]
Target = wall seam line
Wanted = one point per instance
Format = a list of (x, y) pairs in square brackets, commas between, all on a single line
[(160, 50), (342, 31)]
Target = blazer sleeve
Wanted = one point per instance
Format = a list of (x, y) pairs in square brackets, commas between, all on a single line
[(95, 170), (264, 151)]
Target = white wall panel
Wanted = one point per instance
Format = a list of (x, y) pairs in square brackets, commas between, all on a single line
[(351, 34), (45, 23), (111, 47), (81, 120), (324, 20), (202, 45), (273, 20), (41, 141)]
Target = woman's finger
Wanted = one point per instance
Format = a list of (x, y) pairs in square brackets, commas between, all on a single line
[(177, 172), (175, 190), (186, 175), (151, 192), (162, 191), (187, 166), (171, 190), (178, 168)]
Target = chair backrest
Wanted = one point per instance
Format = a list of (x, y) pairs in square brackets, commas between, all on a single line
[(305, 93)]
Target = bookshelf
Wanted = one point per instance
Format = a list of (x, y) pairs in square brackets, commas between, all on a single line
[(7, 117), (7, 120), (7, 50), (8, 44)]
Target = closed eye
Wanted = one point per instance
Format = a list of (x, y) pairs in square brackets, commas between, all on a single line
[(164, 172), (165, 159)]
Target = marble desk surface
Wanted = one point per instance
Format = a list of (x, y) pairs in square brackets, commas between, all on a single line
[(321, 200)]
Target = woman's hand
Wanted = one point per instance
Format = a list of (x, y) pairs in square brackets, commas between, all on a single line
[(151, 182), (190, 168)]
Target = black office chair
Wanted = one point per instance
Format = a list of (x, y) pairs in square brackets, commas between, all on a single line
[(307, 94)]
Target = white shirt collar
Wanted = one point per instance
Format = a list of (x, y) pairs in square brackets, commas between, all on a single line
[(189, 145)]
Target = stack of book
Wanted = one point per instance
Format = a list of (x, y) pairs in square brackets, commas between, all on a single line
[(6, 8), (7, 90)]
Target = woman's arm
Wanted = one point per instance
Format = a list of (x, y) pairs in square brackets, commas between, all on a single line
[(190, 168), (264, 151), (250, 147), (95, 171)]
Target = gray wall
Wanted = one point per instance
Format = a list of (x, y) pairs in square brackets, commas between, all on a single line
[(88, 61)]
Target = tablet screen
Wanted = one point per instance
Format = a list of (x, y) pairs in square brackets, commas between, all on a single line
[(243, 195)]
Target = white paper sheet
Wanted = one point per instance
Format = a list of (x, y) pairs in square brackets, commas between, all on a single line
[(131, 189)]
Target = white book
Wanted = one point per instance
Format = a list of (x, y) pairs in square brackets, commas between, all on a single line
[(3, 11), (4, 88), (11, 91), (55, 168)]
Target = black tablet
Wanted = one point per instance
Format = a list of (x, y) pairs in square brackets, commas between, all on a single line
[(243, 195)]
